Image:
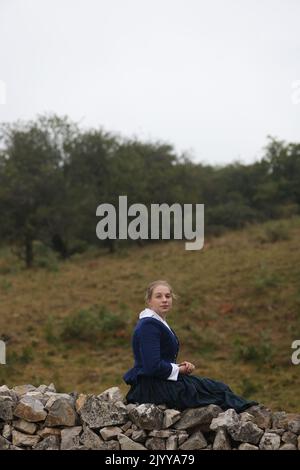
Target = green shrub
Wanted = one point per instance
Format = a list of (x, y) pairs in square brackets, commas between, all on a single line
[(273, 232), (94, 324), (259, 353)]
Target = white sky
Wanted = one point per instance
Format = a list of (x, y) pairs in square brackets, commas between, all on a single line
[(212, 77)]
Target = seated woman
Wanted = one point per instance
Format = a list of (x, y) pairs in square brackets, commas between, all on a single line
[(155, 377)]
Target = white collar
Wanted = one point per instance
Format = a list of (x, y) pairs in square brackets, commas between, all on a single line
[(148, 313)]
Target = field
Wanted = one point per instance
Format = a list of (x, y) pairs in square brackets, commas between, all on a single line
[(236, 315)]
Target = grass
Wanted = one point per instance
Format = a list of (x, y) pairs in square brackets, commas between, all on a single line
[(236, 316)]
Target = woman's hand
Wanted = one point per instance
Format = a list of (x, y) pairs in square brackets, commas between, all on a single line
[(186, 368)]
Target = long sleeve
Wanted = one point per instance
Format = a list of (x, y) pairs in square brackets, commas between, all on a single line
[(150, 352), (174, 373)]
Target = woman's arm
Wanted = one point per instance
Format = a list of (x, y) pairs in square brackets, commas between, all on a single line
[(153, 364)]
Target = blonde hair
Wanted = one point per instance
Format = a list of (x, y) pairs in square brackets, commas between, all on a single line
[(152, 285)]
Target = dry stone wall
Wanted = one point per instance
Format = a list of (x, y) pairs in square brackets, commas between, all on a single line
[(39, 418)]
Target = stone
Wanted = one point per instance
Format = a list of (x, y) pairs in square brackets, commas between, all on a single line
[(194, 442), (126, 426), (25, 426), (269, 441), (129, 444), (108, 433), (171, 417), (289, 438), (172, 443), (147, 416), (49, 443), (164, 433), (222, 441), (90, 439), (7, 430), (5, 444), (262, 416), (112, 395), (70, 437), (30, 409), (80, 402), (61, 413), (246, 446), (200, 417), (288, 447), (46, 432), (139, 436), (98, 413), (227, 420), (7, 406), (21, 390), (294, 425), (155, 443), (182, 436), (24, 440), (246, 432)]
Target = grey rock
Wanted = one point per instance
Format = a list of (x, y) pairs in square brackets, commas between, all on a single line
[(155, 443), (246, 432), (30, 409), (147, 416), (24, 440), (111, 432), (289, 438), (262, 416), (7, 406), (25, 426), (49, 443), (112, 395), (288, 447), (194, 442), (139, 436), (227, 420), (172, 443), (294, 425), (61, 413), (171, 417), (70, 437), (5, 444), (246, 446), (269, 441), (90, 439), (129, 444), (200, 417), (7, 430), (98, 413), (46, 432), (222, 441), (164, 433), (21, 390)]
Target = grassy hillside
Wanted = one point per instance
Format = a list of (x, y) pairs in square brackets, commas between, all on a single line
[(237, 313)]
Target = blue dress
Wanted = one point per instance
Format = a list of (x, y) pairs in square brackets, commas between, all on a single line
[(155, 348)]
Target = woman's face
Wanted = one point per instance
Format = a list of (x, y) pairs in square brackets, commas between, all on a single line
[(161, 300)]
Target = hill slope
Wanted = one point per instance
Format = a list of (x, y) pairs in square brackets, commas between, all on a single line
[(237, 314)]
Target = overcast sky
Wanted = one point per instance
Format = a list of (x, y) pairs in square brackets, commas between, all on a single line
[(212, 77)]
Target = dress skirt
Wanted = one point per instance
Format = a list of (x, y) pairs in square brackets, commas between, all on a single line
[(189, 391)]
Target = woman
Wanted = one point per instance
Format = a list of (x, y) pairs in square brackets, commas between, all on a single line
[(155, 377)]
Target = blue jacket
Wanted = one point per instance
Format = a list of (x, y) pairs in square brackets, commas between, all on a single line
[(155, 347)]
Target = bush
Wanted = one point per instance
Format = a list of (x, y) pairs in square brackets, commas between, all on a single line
[(94, 324), (259, 353)]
